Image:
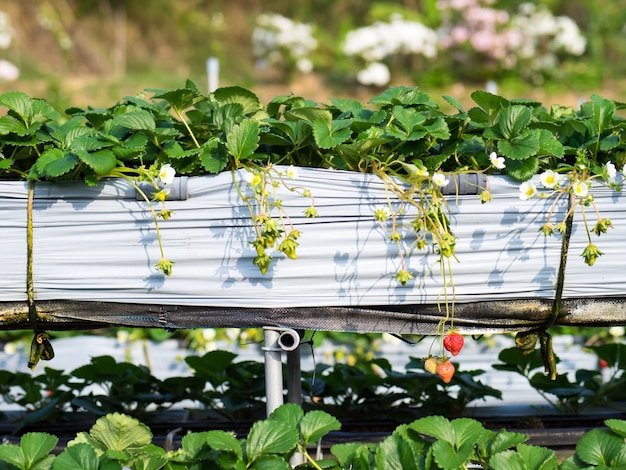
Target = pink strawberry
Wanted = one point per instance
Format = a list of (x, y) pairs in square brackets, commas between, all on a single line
[(430, 365), (445, 370), (453, 342)]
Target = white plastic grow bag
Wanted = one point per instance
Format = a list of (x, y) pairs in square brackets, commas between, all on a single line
[(99, 244)]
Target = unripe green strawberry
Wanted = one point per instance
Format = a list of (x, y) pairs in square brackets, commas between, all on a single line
[(453, 342), (430, 365), (445, 370)]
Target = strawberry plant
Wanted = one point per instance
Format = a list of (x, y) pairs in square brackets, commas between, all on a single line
[(419, 152), (434, 442), (588, 390)]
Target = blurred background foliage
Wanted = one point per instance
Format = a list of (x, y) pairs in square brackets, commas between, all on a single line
[(94, 52)]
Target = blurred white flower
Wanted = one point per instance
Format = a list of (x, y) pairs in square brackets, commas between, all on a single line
[(208, 334), (8, 71), (10, 348), (382, 40), (375, 74), (6, 32), (280, 41)]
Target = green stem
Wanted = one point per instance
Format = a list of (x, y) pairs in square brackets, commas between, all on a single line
[(560, 281), (310, 459), (155, 217), (30, 285), (184, 121), (582, 210)]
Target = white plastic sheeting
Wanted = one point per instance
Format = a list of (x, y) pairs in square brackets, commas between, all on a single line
[(99, 244)]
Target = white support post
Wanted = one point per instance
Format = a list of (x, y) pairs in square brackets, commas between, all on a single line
[(273, 369), (276, 341), (213, 73)]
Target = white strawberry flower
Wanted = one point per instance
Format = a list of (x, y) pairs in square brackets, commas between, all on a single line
[(166, 174), (527, 190)]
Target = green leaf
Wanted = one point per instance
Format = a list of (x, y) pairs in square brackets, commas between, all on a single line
[(549, 144), (6, 163), (42, 112), (513, 120), (495, 442), (270, 437), (449, 457), (489, 103), (618, 426), (521, 170), (438, 129), (248, 100), (53, 163), (347, 105), (289, 414), (402, 95), (521, 147), (136, 120), (20, 103), (224, 441), (32, 453), (271, 462), (12, 454), (407, 117), (346, 454), (400, 452), (507, 460), (148, 460), (78, 456), (211, 363), (213, 156), (610, 143), (317, 424), (119, 432), (603, 112), (195, 446), (599, 447), (102, 161), (37, 445), (467, 431), (435, 426), (12, 125), (329, 136), (538, 457), (454, 102), (310, 115), (243, 139), (179, 100), (296, 131)]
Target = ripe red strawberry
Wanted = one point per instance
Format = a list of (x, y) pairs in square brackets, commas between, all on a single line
[(453, 342), (445, 370), (430, 365)]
